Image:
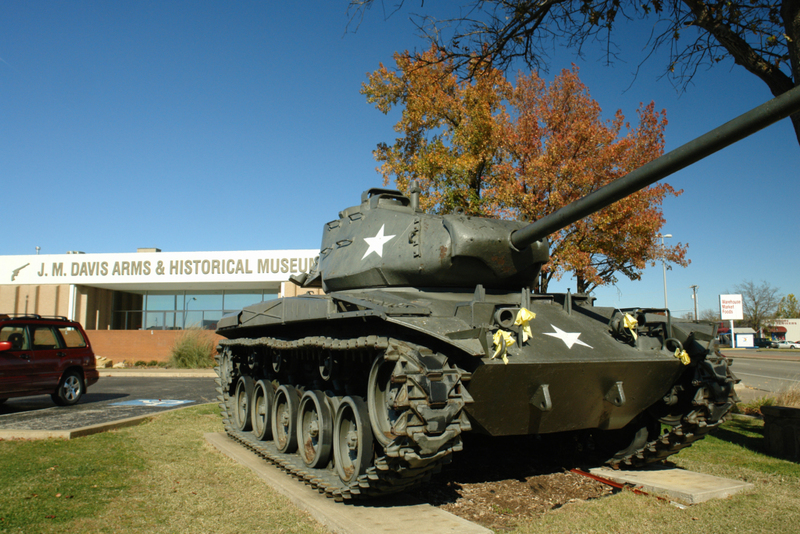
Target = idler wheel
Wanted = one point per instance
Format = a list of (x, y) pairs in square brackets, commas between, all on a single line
[(284, 418), (352, 439), (381, 393), (241, 403), (314, 429), (261, 410)]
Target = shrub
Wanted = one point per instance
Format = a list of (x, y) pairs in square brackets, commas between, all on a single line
[(194, 349), (789, 397), (754, 407)]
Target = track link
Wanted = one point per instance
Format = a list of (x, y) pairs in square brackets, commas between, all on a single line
[(400, 464), (695, 425)]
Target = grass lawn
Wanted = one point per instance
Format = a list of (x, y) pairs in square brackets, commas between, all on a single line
[(162, 476)]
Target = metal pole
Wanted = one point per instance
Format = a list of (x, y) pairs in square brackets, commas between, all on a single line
[(694, 298), (664, 266), (185, 306)]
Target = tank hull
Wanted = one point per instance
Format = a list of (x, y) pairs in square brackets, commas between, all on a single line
[(427, 366), (577, 395)]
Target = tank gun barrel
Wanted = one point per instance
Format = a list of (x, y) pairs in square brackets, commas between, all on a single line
[(732, 131)]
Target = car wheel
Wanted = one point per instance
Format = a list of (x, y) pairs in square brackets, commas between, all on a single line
[(70, 389)]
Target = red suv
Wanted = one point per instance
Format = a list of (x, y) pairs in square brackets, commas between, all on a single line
[(44, 355)]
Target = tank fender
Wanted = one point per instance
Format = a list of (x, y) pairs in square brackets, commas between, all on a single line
[(383, 303)]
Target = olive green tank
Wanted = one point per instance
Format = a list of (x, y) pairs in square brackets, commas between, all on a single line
[(428, 329)]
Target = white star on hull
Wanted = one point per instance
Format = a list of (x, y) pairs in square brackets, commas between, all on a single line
[(376, 243), (569, 338)]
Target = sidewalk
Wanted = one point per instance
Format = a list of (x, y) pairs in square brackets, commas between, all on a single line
[(786, 355), (158, 372), (749, 394)]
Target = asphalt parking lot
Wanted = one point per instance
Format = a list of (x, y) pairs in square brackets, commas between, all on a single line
[(113, 399)]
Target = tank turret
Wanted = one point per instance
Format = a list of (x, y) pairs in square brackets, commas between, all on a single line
[(387, 241)]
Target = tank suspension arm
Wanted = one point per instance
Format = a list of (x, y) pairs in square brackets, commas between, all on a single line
[(735, 130)]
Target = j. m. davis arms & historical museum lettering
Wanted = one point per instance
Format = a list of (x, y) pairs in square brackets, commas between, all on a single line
[(177, 267)]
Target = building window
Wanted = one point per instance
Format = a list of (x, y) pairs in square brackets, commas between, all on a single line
[(170, 310)]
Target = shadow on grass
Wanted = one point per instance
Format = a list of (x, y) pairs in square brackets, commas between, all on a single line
[(745, 433)]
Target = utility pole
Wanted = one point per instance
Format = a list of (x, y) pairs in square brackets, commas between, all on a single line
[(694, 298), (664, 266)]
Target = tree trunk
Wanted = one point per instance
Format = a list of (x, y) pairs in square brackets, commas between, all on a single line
[(744, 55), (582, 284), (790, 13)]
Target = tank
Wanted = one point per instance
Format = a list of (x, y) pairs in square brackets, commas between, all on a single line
[(428, 329)]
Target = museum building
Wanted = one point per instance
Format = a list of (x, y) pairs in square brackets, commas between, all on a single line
[(137, 302)]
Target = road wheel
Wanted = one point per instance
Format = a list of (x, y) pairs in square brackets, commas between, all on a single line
[(284, 418), (261, 410), (242, 401), (70, 389), (314, 429), (352, 440)]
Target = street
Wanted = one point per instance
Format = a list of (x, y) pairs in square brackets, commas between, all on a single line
[(110, 399), (768, 375)]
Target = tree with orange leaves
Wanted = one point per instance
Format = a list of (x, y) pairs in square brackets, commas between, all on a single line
[(559, 150), (484, 147), (451, 130)]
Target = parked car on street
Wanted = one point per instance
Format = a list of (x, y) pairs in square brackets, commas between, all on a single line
[(764, 343), (44, 355), (789, 344)]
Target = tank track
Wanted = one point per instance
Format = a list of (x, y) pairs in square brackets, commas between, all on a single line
[(694, 426), (409, 459)]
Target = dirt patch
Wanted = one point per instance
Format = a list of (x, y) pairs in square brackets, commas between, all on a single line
[(498, 482)]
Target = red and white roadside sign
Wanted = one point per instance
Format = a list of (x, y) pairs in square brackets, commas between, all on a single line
[(731, 308)]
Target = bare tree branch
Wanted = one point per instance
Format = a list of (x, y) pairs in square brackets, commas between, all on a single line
[(763, 36)]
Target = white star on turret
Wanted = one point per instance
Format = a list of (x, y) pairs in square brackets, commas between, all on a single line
[(376, 243), (569, 338)]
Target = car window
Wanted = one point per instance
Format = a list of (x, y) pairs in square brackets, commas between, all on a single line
[(44, 338), (17, 335), (72, 337)]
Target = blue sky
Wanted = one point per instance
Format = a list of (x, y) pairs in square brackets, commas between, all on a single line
[(239, 126)]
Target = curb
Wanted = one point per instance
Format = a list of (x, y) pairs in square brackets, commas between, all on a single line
[(772, 357)]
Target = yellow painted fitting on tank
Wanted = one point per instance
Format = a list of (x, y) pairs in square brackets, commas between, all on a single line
[(524, 317), (630, 322), (502, 340), (683, 356)]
